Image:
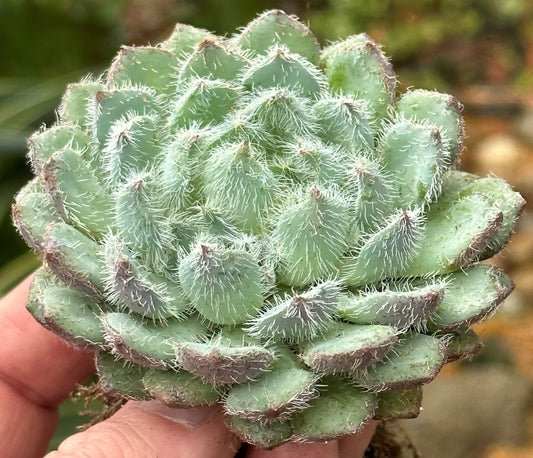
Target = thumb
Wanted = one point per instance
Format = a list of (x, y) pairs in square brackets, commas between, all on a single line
[(144, 429)]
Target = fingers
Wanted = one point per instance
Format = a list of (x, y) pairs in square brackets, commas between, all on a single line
[(146, 429), (34, 361), (296, 450), (37, 371), (353, 446), (25, 428)]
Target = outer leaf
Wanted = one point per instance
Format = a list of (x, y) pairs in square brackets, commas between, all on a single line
[(147, 343), (462, 344), (341, 409), (83, 203), (72, 316), (348, 348), (119, 377), (74, 258), (76, 103), (42, 280), (32, 212), (396, 404), (275, 394), (397, 306), (460, 184), (46, 142), (211, 59), (184, 39), (415, 360), (471, 296), (265, 435), (456, 235), (441, 110), (179, 389), (229, 357)]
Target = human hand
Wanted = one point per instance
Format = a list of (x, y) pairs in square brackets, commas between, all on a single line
[(38, 371)]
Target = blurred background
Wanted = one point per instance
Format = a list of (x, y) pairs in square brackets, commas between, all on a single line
[(481, 51)]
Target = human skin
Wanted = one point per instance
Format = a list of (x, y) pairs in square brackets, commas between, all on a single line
[(38, 371)]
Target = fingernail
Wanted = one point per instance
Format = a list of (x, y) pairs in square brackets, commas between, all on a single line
[(190, 418)]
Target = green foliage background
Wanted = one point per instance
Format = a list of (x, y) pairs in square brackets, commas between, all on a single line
[(435, 44)]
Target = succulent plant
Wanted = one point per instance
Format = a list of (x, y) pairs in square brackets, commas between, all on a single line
[(261, 223)]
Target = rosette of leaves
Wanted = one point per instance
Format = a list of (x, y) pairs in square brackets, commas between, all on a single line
[(264, 224)]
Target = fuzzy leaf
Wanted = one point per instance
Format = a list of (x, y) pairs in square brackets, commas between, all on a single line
[(281, 68), (440, 110), (345, 121), (131, 147), (348, 348), (299, 317), (72, 316), (76, 103), (240, 182), (204, 102), (341, 409), (229, 357), (372, 191), (396, 404), (111, 106), (276, 394), (383, 254), (145, 66), (42, 280), (415, 360), (398, 307), (225, 286), (261, 434), (310, 161), (179, 389), (132, 286), (83, 203), (118, 377), (456, 235), (462, 344), (184, 39), (211, 59), (415, 160), (461, 184), (146, 342), (310, 237), (284, 114), (32, 212), (143, 225), (277, 28), (74, 258), (358, 67), (471, 296), (44, 143)]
